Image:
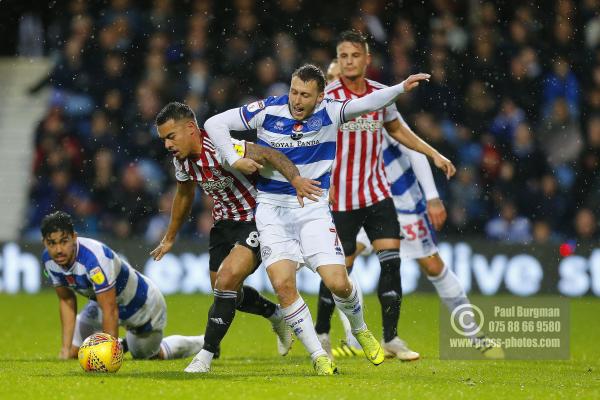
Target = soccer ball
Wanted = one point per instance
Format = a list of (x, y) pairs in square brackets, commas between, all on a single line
[(101, 352)]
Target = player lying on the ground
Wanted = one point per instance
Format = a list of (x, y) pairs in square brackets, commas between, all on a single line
[(117, 293), (234, 245), (362, 198), (303, 125)]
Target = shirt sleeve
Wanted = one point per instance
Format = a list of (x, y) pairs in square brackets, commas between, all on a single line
[(101, 279), (423, 172), (373, 101), (218, 126), (180, 173), (335, 110), (390, 113), (53, 278), (253, 114)]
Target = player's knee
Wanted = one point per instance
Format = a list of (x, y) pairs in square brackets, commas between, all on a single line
[(144, 352), (432, 265), (341, 290), (141, 354), (339, 284), (386, 245), (283, 285), (228, 278), (350, 259), (433, 270), (285, 288)]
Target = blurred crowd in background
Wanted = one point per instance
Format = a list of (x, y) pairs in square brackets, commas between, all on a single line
[(514, 101)]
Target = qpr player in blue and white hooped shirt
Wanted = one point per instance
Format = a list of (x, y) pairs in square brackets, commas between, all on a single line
[(303, 125), (97, 269), (308, 138), (412, 186), (420, 213), (117, 293)]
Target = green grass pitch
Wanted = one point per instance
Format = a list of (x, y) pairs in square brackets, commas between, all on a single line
[(251, 369)]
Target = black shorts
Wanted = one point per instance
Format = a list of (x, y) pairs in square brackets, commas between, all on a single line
[(225, 234), (379, 220)]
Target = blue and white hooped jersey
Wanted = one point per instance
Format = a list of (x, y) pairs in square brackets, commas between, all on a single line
[(406, 192), (97, 269), (310, 144)]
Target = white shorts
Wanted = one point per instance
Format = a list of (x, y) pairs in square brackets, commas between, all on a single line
[(418, 237), (298, 234)]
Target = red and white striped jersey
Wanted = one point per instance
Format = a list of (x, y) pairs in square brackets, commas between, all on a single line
[(358, 173), (233, 193)]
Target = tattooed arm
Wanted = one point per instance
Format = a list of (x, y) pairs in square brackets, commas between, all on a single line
[(304, 187)]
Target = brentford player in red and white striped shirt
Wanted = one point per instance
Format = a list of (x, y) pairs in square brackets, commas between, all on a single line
[(358, 172), (233, 193), (234, 245), (362, 195)]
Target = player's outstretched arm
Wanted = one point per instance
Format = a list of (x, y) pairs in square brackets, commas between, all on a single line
[(435, 207), (399, 130), (218, 127), (68, 315), (380, 98), (304, 187), (110, 312), (422, 169), (182, 204)]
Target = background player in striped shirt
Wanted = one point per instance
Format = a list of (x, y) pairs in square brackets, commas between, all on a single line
[(362, 196), (420, 214), (234, 246), (304, 125), (117, 293)]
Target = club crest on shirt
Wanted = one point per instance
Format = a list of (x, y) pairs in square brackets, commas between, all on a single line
[(279, 125), (297, 131), (257, 105), (314, 124), (97, 276), (70, 280)]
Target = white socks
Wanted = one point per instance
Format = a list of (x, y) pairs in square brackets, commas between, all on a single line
[(450, 289), (300, 322), (352, 309), (350, 339), (177, 346)]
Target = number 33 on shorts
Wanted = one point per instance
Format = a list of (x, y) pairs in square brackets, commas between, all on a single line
[(418, 237), (414, 230), (252, 239)]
